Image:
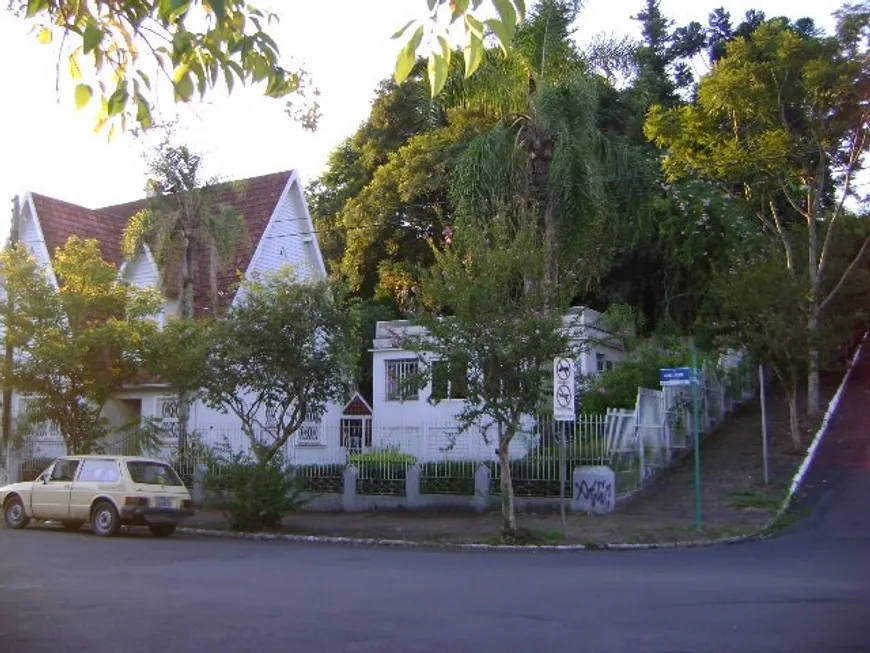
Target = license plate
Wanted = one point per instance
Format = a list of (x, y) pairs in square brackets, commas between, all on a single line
[(164, 503)]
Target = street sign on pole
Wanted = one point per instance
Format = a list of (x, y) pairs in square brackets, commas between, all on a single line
[(563, 411), (676, 376), (563, 390), (682, 376)]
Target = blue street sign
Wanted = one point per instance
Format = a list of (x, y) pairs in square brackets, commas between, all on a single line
[(675, 376)]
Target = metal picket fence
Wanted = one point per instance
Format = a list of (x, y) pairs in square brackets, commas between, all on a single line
[(637, 444)]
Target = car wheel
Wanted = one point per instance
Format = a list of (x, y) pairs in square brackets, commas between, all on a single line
[(72, 524), (162, 530), (105, 520), (14, 514)]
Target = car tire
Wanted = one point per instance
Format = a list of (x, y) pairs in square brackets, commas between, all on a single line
[(14, 514), (72, 525), (162, 530), (105, 520)]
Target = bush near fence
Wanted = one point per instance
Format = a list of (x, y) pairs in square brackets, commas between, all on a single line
[(381, 471)]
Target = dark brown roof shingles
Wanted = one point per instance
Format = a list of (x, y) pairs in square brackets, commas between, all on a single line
[(254, 198)]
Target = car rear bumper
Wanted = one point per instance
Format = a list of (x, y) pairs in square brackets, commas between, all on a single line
[(155, 515)]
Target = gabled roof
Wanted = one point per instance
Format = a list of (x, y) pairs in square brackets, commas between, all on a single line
[(60, 220), (254, 198)]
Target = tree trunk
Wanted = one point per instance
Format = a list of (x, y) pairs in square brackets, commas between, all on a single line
[(813, 393), (793, 421), (187, 313), (508, 514), (551, 246), (813, 385)]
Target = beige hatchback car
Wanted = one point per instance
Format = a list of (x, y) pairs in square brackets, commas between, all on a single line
[(107, 491)]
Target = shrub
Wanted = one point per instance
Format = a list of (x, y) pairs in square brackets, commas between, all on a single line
[(382, 471), (385, 456), (617, 388), (252, 495)]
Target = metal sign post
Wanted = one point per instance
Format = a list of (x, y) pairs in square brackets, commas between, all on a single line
[(695, 422), (563, 411), (683, 376), (764, 452)]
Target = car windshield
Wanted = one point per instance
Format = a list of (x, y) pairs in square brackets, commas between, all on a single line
[(152, 473)]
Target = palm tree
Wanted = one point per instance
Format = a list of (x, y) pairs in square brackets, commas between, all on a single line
[(187, 214), (548, 149)]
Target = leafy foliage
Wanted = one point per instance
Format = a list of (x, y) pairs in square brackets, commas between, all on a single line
[(781, 121), (617, 388), (189, 214), (119, 54), (475, 29), (285, 350), (384, 457), (490, 312), (252, 494), (76, 344)]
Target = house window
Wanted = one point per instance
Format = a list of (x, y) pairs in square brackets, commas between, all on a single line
[(608, 365), (449, 381), (168, 409), (599, 361), (401, 385)]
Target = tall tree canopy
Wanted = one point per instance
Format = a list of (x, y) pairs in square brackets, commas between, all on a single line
[(782, 121)]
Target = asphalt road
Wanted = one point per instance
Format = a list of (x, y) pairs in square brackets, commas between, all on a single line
[(807, 590)]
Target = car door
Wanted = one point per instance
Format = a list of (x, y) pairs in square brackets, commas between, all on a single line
[(96, 477), (50, 495)]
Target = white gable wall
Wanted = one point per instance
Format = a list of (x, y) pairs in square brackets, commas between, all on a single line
[(30, 233), (288, 240)]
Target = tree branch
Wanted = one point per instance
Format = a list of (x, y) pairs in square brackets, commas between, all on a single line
[(850, 170), (846, 273), (789, 252)]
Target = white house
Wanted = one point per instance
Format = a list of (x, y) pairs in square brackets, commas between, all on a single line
[(280, 231), (416, 423)]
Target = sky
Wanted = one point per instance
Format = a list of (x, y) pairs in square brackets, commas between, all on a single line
[(50, 148)]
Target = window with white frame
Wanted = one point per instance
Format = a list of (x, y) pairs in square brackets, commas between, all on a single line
[(168, 413), (608, 365), (599, 360), (401, 381)]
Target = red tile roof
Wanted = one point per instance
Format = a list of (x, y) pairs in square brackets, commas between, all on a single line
[(254, 198)]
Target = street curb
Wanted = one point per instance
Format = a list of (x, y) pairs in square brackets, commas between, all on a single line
[(764, 533), (448, 546), (800, 475)]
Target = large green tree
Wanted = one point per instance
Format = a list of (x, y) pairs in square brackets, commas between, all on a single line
[(781, 121), (75, 345), (491, 319), (550, 148), (278, 357)]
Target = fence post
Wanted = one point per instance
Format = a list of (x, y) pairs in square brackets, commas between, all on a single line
[(482, 479), (198, 489), (349, 478), (412, 486)]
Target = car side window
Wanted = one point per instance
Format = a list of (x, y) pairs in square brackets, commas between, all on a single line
[(99, 471), (64, 470)]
